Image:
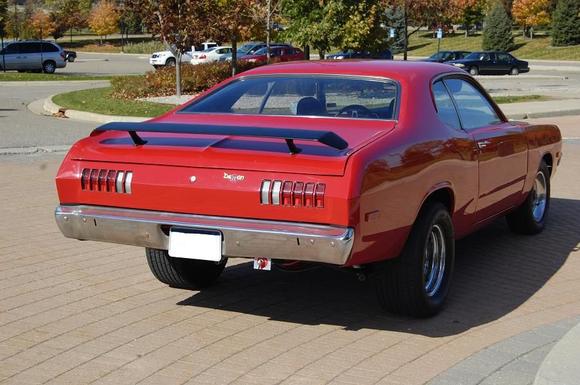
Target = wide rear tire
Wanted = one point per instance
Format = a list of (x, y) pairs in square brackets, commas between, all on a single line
[(530, 217), (183, 273), (417, 282)]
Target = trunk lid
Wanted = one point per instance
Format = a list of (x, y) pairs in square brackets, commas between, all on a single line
[(230, 152)]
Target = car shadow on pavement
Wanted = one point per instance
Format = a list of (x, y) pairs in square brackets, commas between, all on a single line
[(496, 272)]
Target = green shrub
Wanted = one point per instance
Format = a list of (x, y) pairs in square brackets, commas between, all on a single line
[(497, 35), (566, 23), (194, 79)]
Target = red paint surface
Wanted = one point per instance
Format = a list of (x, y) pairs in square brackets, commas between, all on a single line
[(389, 169)]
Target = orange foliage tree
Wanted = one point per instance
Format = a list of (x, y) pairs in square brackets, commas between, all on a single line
[(41, 24), (104, 18), (531, 13)]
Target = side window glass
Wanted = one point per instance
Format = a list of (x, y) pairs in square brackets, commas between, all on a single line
[(502, 57), (445, 108), (47, 47), (13, 49), (474, 109)]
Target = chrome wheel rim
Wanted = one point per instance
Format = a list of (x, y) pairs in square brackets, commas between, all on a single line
[(49, 67), (434, 261), (539, 197)]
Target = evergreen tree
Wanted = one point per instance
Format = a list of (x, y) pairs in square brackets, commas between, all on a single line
[(566, 23), (497, 35)]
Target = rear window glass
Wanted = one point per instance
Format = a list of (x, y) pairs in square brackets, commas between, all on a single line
[(327, 96)]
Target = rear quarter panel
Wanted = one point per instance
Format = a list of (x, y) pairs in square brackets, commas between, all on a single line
[(391, 178)]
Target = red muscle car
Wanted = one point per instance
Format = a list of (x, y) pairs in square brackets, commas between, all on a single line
[(372, 166)]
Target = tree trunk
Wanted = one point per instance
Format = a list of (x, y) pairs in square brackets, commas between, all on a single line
[(234, 56), (321, 55), (531, 33), (406, 37), (178, 74), (307, 52)]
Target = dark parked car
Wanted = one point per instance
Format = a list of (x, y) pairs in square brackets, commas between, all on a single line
[(70, 56), (352, 54), (445, 56), (491, 63)]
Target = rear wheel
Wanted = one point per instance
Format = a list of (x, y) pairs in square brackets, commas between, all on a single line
[(183, 273), (170, 62), (417, 282), (49, 67), (530, 217), (474, 71), (514, 71)]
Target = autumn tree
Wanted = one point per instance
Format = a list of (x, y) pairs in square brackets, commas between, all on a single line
[(41, 24), (468, 12), (180, 24), (306, 24), (104, 18), (3, 16), (497, 35), (566, 23), (530, 14), (69, 14), (238, 20)]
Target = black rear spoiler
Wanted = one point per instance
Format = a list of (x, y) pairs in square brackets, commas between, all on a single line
[(328, 138)]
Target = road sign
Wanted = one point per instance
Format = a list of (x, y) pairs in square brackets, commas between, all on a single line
[(392, 33), (439, 33)]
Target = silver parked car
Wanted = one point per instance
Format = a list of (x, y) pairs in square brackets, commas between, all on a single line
[(31, 55)]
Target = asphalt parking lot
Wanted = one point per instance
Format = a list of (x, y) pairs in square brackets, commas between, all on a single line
[(91, 313)]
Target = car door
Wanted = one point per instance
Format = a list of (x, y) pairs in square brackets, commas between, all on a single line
[(501, 149), (486, 64), (31, 56), (503, 63), (11, 57)]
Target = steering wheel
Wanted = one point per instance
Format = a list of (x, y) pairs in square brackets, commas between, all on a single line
[(355, 110)]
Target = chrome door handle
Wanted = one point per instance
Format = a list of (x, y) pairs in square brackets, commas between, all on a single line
[(483, 143)]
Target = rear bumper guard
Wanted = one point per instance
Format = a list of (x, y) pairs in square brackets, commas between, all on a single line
[(246, 238)]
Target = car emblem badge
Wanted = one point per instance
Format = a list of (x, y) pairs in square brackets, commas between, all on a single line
[(192, 179), (233, 177)]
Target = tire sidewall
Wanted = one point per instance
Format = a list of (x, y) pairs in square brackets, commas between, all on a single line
[(514, 71)]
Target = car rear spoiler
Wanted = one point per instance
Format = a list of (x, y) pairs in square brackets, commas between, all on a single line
[(328, 138)]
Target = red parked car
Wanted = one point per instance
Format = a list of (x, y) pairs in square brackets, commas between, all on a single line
[(373, 166), (277, 54)]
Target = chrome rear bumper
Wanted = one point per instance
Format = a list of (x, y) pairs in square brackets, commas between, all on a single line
[(247, 238)]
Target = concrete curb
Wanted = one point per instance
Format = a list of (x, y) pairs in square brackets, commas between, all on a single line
[(560, 367), (57, 110)]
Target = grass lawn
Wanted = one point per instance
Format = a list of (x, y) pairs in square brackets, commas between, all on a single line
[(56, 77), (422, 44), (100, 101), (519, 99)]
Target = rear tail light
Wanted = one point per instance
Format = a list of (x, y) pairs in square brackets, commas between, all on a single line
[(107, 180), (295, 194), (63, 54)]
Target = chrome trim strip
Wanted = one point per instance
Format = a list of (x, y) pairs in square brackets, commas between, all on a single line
[(245, 238), (119, 182), (128, 181), (265, 192), (276, 192)]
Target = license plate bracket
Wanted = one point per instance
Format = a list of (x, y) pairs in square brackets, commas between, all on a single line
[(200, 244)]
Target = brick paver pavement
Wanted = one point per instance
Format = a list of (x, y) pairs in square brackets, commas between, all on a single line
[(83, 312)]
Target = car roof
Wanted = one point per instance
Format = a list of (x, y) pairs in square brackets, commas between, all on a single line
[(393, 69)]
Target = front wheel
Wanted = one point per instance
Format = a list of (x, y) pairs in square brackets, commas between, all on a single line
[(474, 71), (417, 282), (514, 71), (170, 62), (530, 217), (183, 273)]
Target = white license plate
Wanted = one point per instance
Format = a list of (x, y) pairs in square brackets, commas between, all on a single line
[(195, 244)]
